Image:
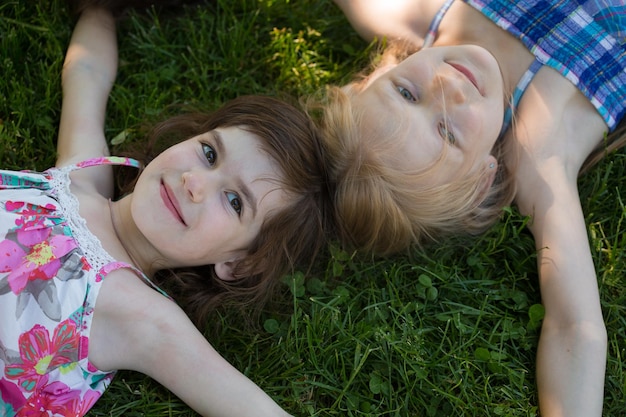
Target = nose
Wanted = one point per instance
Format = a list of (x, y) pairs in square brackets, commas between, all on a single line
[(448, 86), (195, 184)]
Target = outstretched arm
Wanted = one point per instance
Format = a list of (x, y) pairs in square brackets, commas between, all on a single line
[(204, 379), (88, 75), (394, 19), (555, 140), (572, 347), (135, 327)]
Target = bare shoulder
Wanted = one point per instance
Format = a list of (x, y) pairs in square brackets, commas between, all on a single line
[(555, 129), (555, 116), (137, 328), (131, 322)]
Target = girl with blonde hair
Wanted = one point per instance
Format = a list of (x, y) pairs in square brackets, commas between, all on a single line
[(492, 102)]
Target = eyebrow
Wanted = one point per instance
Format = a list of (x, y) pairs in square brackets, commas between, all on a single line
[(247, 194), (219, 143), (382, 91)]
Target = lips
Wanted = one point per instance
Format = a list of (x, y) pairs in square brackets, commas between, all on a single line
[(468, 74), (171, 203)]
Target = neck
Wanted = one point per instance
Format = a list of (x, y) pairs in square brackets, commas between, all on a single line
[(465, 25), (129, 237)]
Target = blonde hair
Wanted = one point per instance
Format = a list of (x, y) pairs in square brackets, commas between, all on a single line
[(383, 209)]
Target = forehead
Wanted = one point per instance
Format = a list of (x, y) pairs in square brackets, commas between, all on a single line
[(390, 124), (245, 151), (245, 159), (405, 134)]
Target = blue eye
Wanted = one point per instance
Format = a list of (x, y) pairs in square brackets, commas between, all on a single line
[(235, 202), (446, 133), (406, 94), (209, 153)]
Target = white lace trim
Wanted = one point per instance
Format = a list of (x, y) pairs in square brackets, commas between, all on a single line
[(87, 241)]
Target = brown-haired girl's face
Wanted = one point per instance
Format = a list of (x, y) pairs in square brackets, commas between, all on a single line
[(437, 97), (204, 200)]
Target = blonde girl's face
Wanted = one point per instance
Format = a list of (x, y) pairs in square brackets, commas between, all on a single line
[(204, 200), (439, 97)]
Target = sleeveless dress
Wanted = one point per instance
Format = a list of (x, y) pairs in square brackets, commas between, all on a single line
[(584, 40), (51, 270)]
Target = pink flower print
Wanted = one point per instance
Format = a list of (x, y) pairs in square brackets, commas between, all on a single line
[(80, 406), (11, 397), (83, 345), (26, 209), (40, 354), (84, 264), (54, 399), (36, 258), (13, 205), (109, 160)]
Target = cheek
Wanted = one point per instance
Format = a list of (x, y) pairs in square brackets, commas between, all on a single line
[(176, 156), (496, 113), (492, 122), (484, 122), (216, 229)]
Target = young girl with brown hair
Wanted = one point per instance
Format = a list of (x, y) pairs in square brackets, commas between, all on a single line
[(242, 196)]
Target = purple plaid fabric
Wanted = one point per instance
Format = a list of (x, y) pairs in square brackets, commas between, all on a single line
[(584, 40)]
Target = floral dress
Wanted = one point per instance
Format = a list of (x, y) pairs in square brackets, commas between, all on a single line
[(51, 269)]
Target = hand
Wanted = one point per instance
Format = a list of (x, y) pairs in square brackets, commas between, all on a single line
[(393, 19), (119, 7)]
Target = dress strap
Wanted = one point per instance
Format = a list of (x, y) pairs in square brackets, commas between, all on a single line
[(107, 160), (520, 88), (434, 25), (115, 265)]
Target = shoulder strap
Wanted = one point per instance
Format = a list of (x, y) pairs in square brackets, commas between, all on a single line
[(434, 25), (520, 88), (115, 265), (107, 160)]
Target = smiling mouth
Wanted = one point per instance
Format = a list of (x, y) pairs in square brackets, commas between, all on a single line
[(468, 74), (171, 203)]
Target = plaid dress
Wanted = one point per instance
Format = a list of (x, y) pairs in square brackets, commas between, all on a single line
[(584, 40)]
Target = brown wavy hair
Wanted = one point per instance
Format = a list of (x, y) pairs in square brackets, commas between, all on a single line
[(290, 237)]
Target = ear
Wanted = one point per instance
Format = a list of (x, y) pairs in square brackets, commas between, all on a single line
[(224, 270), (490, 175)]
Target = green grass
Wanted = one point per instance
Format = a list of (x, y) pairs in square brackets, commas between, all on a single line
[(448, 332)]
